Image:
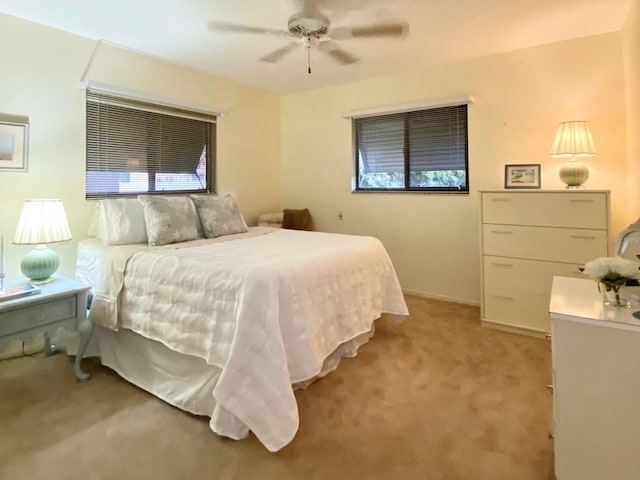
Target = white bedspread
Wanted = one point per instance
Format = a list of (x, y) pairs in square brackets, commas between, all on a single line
[(267, 308)]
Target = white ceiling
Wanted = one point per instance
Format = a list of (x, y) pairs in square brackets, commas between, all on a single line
[(439, 31)]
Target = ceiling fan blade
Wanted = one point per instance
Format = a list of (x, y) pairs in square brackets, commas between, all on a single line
[(377, 30), (342, 56), (235, 28), (338, 54), (277, 54)]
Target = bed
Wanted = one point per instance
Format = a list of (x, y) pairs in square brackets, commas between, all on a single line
[(230, 326)]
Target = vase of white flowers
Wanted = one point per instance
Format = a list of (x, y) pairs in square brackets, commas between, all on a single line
[(612, 274)]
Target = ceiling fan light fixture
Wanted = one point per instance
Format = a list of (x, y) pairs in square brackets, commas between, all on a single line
[(308, 25)]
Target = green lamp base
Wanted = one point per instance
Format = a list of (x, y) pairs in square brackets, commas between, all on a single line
[(39, 264)]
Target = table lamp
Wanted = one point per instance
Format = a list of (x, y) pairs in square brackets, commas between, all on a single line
[(42, 221), (573, 139)]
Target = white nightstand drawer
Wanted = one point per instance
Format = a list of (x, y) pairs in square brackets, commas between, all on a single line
[(531, 276), (539, 243), (37, 315), (561, 209), (518, 309)]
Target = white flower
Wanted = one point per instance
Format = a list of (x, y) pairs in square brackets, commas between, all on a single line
[(624, 267), (612, 267), (597, 268)]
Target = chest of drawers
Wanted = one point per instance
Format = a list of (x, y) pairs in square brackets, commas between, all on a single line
[(526, 239), (596, 378)]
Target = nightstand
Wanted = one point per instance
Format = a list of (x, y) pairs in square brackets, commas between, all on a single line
[(61, 303)]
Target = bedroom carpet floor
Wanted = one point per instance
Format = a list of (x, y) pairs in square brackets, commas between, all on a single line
[(437, 396)]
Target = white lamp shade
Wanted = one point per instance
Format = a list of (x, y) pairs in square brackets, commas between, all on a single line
[(42, 221), (573, 139)]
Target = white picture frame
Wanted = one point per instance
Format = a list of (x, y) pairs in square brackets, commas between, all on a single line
[(14, 146)]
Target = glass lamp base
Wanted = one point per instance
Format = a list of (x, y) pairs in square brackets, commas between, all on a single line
[(574, 173), (39, 264)]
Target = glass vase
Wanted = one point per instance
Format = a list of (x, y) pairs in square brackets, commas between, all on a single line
[(614, 297)]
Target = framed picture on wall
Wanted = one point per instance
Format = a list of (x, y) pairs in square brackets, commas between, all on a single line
[(522, 176), (14, 146)]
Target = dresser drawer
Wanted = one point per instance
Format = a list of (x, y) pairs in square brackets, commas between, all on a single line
[(524, 275), (517, 309), (37, 315), (569, 209), (539, 243)]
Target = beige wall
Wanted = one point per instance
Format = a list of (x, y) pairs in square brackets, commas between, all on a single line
[(631, 49), (433, 239), (41, 68), (520, 97)]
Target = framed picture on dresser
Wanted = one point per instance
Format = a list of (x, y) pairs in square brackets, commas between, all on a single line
[(522, 176)]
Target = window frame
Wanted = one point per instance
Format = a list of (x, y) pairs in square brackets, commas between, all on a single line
[(356, 188), (158, 109)]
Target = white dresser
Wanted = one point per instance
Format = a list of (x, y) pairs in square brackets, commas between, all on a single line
[(596, 377), (527, 237)]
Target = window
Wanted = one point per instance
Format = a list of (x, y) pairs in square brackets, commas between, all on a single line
[(424, 150), (134, 147)]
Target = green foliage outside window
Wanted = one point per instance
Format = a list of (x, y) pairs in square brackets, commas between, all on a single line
[(433, 179)]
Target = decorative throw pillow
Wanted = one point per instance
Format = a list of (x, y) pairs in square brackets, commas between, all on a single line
[(169, 219), (121, 221), (219, 215), (296, 219)]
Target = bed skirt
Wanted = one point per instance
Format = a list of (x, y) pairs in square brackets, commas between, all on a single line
[(185, 381)]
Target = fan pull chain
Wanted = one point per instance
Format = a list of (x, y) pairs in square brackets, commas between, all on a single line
[(309, 59)]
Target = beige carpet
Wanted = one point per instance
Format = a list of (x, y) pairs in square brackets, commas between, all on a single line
[(438, 396)]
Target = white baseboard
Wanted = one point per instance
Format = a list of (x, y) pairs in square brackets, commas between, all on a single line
[(15, 348), (441, 297), (505, 327)]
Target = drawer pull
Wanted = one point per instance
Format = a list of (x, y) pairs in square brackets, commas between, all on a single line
[(500, 199), (583, 237), (503, 297), (581, 200), (550, 387), (502, 264), (547, 335), (506, 232)]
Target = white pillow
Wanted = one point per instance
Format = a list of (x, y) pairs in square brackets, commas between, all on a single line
[(169, 219), (121, 221), (94, 221)]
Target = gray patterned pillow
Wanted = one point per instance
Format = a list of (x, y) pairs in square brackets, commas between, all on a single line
[(169, 219), (218, 215)]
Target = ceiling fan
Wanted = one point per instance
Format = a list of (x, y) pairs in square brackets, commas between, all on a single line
[(311, 28)]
